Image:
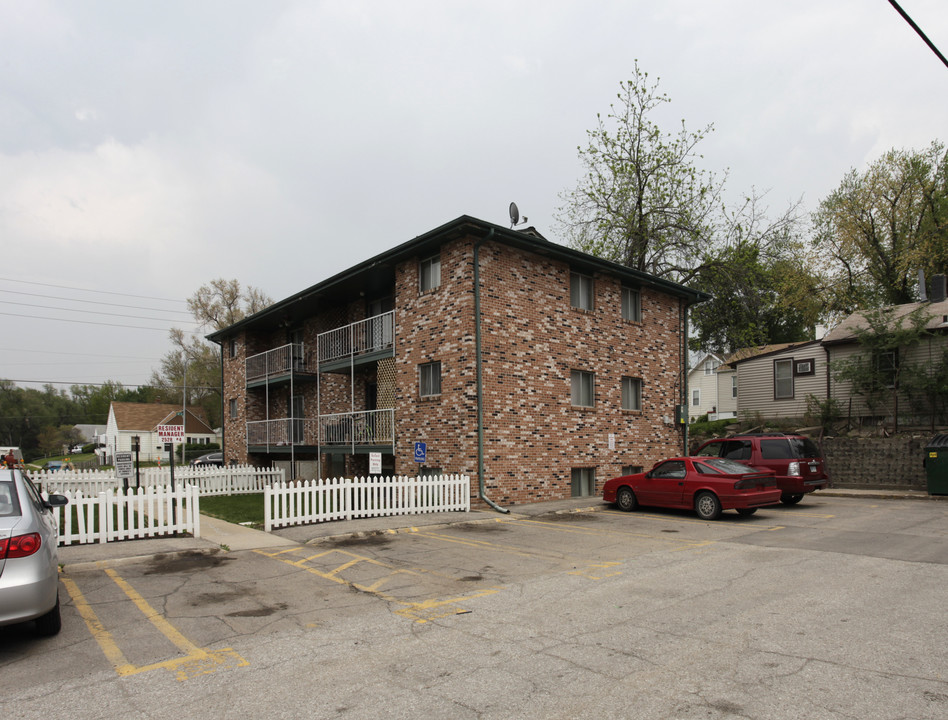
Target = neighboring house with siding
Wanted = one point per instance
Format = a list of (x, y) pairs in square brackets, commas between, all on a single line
[(841, 345), (128, 420), (774, 381), (537, 370), (703, 386)]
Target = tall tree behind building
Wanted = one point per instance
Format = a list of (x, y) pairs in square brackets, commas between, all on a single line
[(193, 364)]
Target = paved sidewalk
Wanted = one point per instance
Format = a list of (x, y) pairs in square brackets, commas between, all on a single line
[(218, 536)]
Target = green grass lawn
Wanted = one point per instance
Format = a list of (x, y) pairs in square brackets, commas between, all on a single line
[(237, 509)]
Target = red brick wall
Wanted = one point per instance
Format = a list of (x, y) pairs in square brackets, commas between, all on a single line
[(531, 340)]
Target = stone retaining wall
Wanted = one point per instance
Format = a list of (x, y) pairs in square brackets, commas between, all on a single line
[(893, 463)]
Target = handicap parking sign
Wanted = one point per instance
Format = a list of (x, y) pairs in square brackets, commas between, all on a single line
[(421, 452)]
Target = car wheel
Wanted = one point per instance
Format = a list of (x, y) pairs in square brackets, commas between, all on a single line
[(791, 498), (746, 511), (50, 623), (707, 506), (625, 499)]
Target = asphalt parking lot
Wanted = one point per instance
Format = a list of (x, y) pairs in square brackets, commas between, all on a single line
[(833, 608)]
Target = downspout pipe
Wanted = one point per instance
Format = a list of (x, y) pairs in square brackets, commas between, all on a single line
[(481, 491)]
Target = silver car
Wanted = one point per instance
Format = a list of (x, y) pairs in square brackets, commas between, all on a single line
[(29, 563)]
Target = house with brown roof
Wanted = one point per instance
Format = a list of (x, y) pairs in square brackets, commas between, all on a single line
[(776, 381), (128, 420)]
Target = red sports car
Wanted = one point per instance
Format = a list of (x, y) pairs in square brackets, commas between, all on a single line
[(706, 484)]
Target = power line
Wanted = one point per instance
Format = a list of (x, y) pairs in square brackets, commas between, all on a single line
[(75, 354), (97, 312), (104, 292), (92, 302), (116, 382), (90, 322), (918, 30)]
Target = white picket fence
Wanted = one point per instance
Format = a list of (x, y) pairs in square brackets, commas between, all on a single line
[(228, 480), (312, 501), (115, 514)]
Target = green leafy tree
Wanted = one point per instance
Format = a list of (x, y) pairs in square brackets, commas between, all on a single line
[(879, 227), (192, 367), (642, 201)]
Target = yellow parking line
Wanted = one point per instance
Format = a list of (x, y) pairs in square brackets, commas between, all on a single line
[(611, 531), (421, 611), (196, 660)]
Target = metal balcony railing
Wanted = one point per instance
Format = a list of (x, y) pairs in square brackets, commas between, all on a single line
[(278, 361), (356, 429), (282, 432), (373, 334), (367, 427)]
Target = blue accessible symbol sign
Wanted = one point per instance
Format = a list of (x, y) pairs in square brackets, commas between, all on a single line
[(421, 452)]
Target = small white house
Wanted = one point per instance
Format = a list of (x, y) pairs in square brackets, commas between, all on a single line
[(703, 386), (128, 420)]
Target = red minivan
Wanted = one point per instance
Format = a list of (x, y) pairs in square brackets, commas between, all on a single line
[(796, 460)]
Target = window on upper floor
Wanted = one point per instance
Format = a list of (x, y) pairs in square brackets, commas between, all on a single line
[(429, 379), (631, 305), (631, 393), (582, 388), (232, 403), (232, 347), (429, 273), (734, 386), (580, 291)]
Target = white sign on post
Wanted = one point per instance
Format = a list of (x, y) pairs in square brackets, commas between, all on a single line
[(375, 463), (123, 465), (171, 433)]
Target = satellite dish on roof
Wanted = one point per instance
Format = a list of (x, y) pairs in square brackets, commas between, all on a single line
[(515, 215)]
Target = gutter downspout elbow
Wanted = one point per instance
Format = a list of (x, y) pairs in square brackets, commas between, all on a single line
[(481, 491)]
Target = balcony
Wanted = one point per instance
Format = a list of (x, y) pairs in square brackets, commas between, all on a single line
[(358, 432), (357, 343), (279, 365)]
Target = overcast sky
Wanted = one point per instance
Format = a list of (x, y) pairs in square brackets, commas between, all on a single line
[(148, 147)]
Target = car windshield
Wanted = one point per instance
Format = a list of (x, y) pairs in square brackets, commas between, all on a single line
[(805, 448), (9, 502), (722, 466)]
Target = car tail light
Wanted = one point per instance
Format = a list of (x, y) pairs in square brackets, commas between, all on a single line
[(793, 468), (755, 481), (20, 546)]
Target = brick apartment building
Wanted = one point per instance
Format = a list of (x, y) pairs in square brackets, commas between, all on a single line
[(571, 375)]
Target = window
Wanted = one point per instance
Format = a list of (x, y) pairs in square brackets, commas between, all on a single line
[(232, 347), (776, 449), (233, 408), (671, 470), (631, 305), (580, 291), (886, 364), (583, 482), (582, 388), (783, 379), (631, 393), (734, 386), (631, 469), (430, 273), (696, 397), (736, 449), (429, 379)]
